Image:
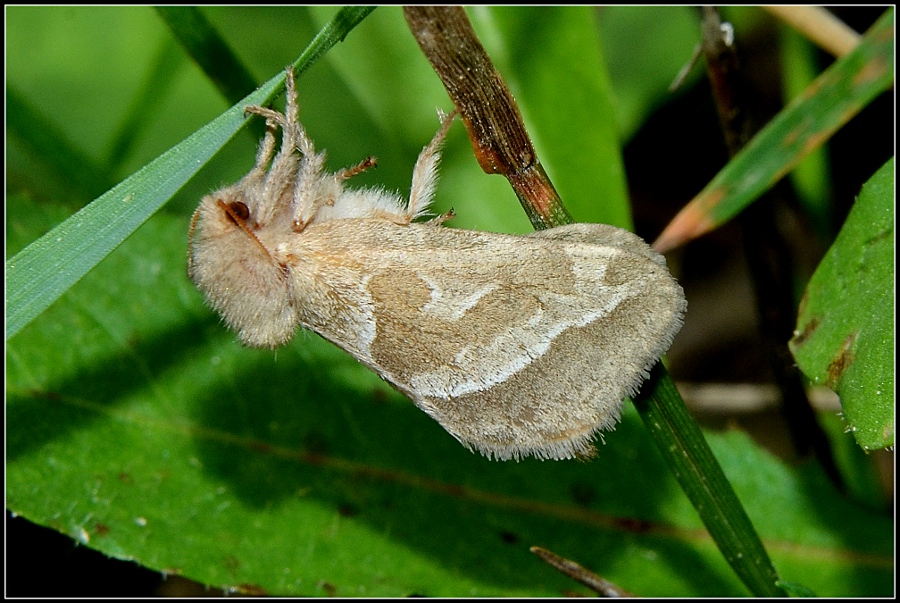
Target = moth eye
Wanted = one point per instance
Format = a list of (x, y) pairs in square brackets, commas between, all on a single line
[(239, 209)]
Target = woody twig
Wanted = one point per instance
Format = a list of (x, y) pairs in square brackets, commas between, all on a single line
[(489, 111)]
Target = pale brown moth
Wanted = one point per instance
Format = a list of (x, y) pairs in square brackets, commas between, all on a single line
[(517, 345)]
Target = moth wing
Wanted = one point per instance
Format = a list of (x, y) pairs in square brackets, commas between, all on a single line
[(523, 346), (601, 234)]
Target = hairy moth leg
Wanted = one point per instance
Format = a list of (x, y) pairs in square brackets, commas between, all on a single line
[(349, 172), (264, 154), (425, 173)]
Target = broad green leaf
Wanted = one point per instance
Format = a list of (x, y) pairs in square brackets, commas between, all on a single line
[(845, 331), (826, 105)]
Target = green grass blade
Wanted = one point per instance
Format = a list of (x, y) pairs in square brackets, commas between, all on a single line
[(688, 455), (211, 52), (804, 125), (42, 272)]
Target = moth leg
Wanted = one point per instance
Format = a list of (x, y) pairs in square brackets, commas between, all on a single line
[(425, 174), (349, 172), (444, 217), (312, 187), (294, 134), (270, 114), (264, 154)]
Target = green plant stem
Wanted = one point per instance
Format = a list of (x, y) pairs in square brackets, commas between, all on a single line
[(688, 455)]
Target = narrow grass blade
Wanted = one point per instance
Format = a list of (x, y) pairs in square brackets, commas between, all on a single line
[(804, 125), (211, 52), (688, 455)]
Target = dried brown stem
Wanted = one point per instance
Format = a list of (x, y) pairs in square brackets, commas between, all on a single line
[(489, 111), (601, 586), (820, 26)]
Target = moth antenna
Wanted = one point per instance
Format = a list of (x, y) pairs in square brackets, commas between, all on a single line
[(240, 222)]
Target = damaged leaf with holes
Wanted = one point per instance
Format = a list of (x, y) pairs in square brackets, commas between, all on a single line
[(845, 332)]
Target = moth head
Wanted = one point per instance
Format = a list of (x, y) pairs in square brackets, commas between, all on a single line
[(230, 261)]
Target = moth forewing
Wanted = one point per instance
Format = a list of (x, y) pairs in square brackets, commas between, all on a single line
[(517, 345)]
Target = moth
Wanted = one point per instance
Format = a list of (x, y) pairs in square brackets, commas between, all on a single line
[(517, 345)]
